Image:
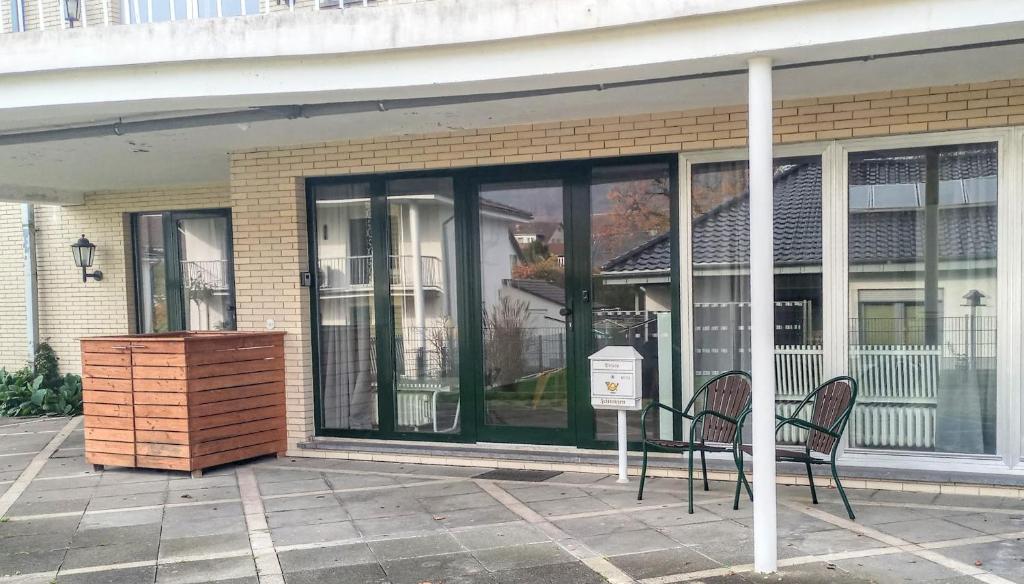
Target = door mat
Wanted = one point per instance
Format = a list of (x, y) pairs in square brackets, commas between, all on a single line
[(509, 474)]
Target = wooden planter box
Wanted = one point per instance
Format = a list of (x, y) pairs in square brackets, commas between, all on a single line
[(183, 401)]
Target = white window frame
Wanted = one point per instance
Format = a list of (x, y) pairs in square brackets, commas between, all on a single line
[(835, 285)]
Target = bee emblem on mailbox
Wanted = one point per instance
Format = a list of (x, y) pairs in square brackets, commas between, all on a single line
[(612, 386)]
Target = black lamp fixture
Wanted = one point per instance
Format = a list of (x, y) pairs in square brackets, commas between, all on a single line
[(73, 12), (83, 250)]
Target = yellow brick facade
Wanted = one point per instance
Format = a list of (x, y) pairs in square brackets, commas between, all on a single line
[(266, 195), (68, 308)]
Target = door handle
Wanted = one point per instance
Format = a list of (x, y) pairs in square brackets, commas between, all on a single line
[(564, 311), (586, 295)]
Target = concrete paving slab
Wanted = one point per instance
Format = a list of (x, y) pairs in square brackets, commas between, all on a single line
[(326, 557), (323, 532), (127, 501), (116, 535), (363, 574), (566, 506), (570, 572), (629, 542), (925, 530), (329, 514), (481, 516), (662, 563), (121, 518), (197, 545), (218, 570), (367, 504), (303, 502), (105, 555), (23, 508), (66, 525), (402, 524), (432, 568), (896, 569), (496, 536), (288, 487), (446, 503), (412, 547), (522, 556), (600, 525), (215, 525), (25, 561), (991, 522)]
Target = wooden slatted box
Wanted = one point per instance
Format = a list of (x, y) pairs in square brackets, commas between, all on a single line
[(183, 401)]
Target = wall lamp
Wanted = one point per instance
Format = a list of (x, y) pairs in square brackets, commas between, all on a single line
[(83, 250), (73, 12)]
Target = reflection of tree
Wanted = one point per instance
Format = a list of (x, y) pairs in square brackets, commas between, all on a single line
[(505, 341), (440, 339), (546, 269), (200, 292), (639, 211), (715, 184)]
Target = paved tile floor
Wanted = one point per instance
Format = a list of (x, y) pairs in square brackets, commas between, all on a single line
[(306, 521)]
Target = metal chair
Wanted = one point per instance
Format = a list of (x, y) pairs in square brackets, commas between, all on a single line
[(833, 404), (725, 397)]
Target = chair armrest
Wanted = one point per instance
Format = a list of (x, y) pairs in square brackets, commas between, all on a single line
[(801, 423), (657, 405), (701, 414)]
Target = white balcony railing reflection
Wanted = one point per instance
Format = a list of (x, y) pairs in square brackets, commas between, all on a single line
[(209, 275), (356, 272)]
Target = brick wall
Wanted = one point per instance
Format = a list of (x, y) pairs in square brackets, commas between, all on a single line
[(68, 308), (13, 340)]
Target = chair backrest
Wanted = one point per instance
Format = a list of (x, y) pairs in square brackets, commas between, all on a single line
[(729, 395), (833, 403)]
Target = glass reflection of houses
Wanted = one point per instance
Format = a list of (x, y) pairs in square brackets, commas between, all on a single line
[(922, 327)]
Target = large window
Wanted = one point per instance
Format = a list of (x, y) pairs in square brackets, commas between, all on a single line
[(184, 277), (720, 207), (922, 279)]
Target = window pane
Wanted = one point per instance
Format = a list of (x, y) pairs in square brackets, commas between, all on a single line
[(151, 273), (348, 367), (203, 245), (922, 302), (522, 285), (424, 301), (721, 284), (631, 261)]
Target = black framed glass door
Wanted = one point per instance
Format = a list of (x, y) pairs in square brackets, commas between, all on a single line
[(184, 271), (463, 305)]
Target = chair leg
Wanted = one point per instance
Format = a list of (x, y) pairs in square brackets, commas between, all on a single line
[(643, 476), (704, 471), (842, 493), (689, 482), (810, 479), (737, 457)]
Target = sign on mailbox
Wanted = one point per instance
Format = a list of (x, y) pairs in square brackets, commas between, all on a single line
[(615, 378)]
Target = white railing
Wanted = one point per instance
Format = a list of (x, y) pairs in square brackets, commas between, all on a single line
[(901, 373)]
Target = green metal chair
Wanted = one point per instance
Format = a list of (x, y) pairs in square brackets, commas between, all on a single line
[(833, 404), (725, 397)]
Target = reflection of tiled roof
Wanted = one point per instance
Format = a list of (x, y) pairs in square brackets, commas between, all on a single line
[(968, 162), (541, 289), (494, 205), (722, 235)]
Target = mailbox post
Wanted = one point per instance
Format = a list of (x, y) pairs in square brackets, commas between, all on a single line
[(616, 383)]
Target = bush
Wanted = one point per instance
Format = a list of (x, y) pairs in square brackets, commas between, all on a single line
[(42, 391)]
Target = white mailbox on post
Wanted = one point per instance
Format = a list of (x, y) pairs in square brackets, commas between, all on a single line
[(615, 379), (616, 383)]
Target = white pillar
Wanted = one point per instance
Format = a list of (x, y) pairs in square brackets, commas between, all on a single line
[(419, 314), (762, 312)]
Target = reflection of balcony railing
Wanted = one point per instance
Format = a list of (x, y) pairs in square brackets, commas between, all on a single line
[(207, 274), (356, 272)]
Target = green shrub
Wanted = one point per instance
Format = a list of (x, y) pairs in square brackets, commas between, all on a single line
[(42, 391)]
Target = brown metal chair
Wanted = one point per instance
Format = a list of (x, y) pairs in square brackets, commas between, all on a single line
[(833, 404), (725, 397)]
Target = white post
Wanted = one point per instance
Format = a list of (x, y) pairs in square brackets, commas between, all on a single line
[(28, 239), (762, 308), (419, 313), (623, 477)]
